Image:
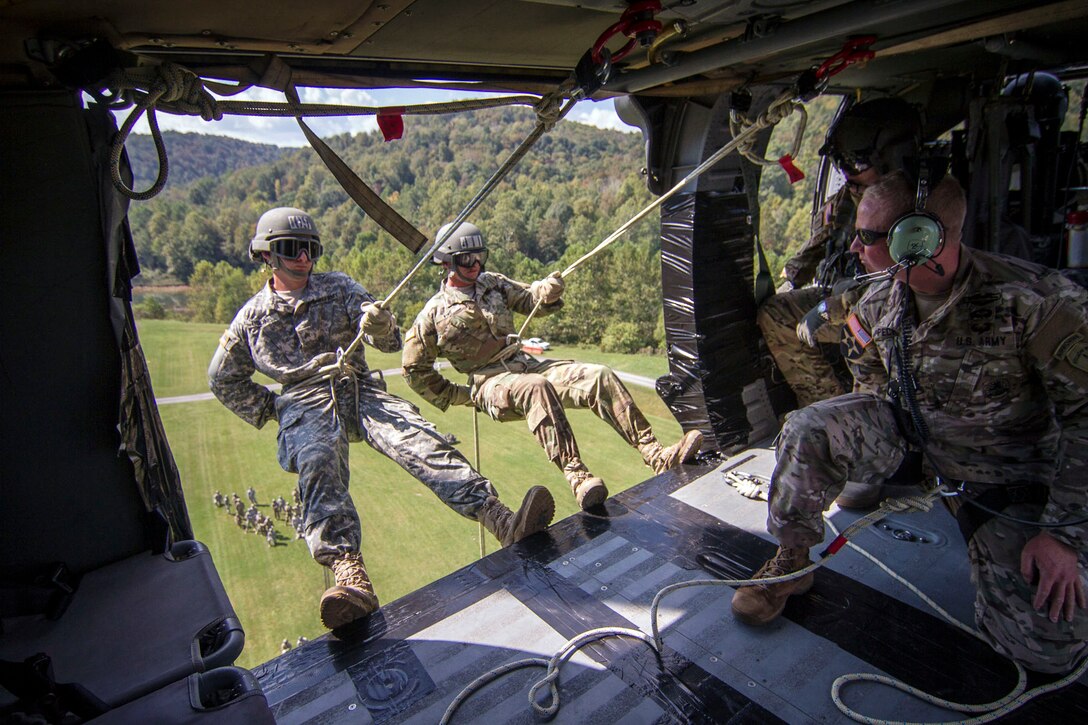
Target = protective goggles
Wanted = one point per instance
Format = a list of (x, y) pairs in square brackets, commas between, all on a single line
[(868, 237), (851, 164), (468, 259), (289, 248)]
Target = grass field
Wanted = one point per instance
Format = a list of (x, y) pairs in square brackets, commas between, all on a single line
[(409, 537)]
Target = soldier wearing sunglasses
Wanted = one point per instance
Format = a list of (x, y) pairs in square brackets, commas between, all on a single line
[(289, 331), (801, 322), (470, 322)]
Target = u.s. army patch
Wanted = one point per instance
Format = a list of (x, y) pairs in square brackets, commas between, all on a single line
[(855, 338), (1074, 350)]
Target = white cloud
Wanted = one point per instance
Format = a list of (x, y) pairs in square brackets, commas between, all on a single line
[(601, 114), (285, 131)]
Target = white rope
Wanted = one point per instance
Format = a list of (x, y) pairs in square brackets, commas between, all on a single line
[(779, 109), (921, 502), (991, 710)]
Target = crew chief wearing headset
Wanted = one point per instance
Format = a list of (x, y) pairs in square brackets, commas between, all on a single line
[(974, 367)]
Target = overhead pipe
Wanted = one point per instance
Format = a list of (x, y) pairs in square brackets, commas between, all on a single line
[(834, 24)]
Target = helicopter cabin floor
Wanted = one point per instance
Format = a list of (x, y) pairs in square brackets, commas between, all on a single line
[(408, 661)]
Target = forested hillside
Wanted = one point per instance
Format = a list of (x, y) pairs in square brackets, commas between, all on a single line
[(194, 155), (574, 188)]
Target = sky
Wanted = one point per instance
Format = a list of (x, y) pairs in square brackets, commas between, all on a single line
[(285, 132)]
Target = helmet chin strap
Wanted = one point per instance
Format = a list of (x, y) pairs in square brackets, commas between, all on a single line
[(276, 264), (457, 273)]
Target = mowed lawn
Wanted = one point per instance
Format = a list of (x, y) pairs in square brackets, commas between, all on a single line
[(409, 537)]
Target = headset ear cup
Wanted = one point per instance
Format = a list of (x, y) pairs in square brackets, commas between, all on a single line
[(916, 237)]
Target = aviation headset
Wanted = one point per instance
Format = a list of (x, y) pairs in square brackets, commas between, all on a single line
[(917, 236)]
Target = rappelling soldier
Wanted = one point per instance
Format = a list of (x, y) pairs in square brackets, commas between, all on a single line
[(290, 331), (470, 322)]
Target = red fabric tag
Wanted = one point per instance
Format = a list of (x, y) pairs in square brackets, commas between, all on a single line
[(795, 174), (391, 124)]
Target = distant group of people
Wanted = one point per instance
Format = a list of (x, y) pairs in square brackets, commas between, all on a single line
[(251, 520), (943, 361)]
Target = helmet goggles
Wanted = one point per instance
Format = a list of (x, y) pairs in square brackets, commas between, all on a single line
[(291, 248), (468, 259)]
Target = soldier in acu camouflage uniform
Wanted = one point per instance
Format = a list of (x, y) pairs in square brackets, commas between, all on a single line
[(998, 348), (470, 322), (289, 331), (868, 141)]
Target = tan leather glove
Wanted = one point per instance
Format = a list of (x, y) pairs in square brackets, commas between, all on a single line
[(377, 321), (548, 290), (460, 395)]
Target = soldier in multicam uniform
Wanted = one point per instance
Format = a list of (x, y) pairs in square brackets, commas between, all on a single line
[(470, 322), (868, 141), (996, 350), (289, 331)]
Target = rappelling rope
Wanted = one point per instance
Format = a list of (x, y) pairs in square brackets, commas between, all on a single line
[(920, 502), (175, 89), (549, 109), (775, 112)]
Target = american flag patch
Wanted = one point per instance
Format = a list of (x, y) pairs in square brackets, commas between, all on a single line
[(860, 333)]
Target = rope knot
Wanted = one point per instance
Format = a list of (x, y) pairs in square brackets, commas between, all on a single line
[(548, 109)]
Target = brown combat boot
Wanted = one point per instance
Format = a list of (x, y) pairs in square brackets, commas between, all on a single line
[(683, 451), (589, 491), (760, 604), (536, 512), (353, 596)]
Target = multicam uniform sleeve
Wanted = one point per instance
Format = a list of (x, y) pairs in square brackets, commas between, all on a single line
[(230, 377), (418, 358), (1056, 336), (859, 347), (520, 298)]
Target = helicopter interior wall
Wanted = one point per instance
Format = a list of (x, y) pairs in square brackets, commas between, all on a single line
[(67, 494), (707, 240)]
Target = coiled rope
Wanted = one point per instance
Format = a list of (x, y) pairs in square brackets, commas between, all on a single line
[(907, 504), (921, 502)]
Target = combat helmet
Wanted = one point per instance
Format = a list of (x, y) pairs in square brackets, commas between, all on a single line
[(284, 224), (885, 133), (466, 239)]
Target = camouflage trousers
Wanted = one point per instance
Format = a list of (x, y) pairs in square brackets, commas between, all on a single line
[(316, 425), (538, 391), (805, 368), (855, 437)]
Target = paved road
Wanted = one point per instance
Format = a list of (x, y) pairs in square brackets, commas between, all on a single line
[(640, 380)]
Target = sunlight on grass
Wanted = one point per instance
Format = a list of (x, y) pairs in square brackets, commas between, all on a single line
[(410, 538)]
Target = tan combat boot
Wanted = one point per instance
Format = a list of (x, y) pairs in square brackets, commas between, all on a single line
[(683, 451), (536, 512), (353, 596), (589, 491), (760, 604)]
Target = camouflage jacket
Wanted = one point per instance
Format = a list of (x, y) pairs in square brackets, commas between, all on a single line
[(468, 326), (289, 345), (825, 257), (1002, 367)]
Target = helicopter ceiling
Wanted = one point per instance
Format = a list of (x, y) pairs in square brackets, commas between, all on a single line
[(704, 47)]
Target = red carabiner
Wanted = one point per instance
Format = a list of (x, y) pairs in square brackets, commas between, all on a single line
[(855, 50), (631, 26)]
